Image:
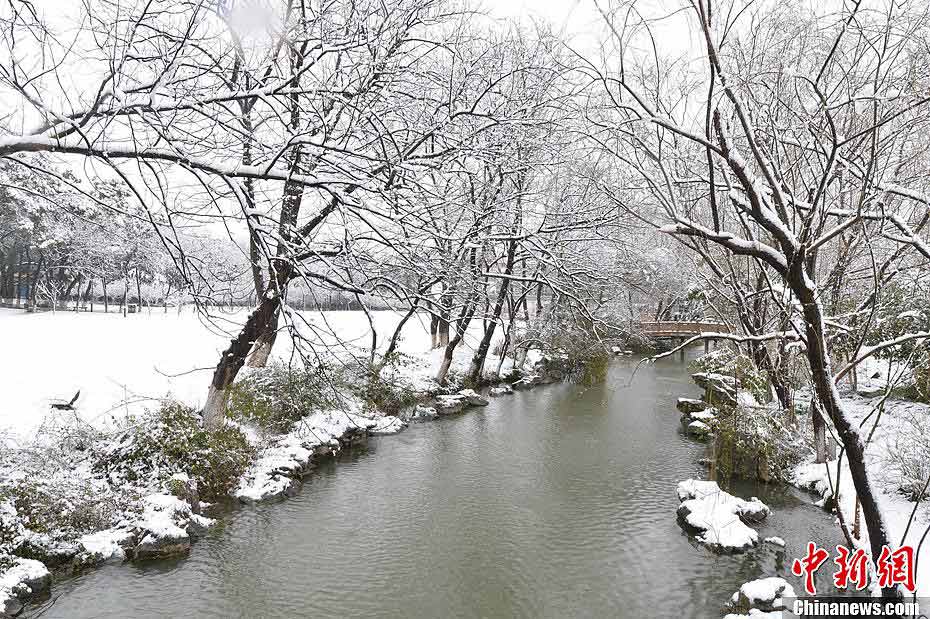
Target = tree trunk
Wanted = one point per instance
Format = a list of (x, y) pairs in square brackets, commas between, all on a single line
[(434, 330), (825, 390), (87, 290), (462, 326), (287, 224), (447, 359), (395, 337), (264, 343), (34, 287), (477, 362), (232, 360), (138, 290), (443, 328), (125, 294), (820, 433)]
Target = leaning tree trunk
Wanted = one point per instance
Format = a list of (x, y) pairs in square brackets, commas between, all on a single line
[(449, 352), (447, 359), (233, 358), (395, 337), (264, 343), (825, 390)]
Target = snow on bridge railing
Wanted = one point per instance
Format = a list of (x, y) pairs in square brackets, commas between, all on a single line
[(674, 327)]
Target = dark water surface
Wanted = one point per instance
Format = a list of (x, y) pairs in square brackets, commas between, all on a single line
[(558, 502)]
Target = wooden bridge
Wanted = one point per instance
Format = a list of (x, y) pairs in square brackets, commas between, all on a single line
[(680, 331), (670, 328)]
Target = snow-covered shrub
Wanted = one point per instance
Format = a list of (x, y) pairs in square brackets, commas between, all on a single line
[(273, 398), (756, 443), (386, 391), (153, 447), (907, 459), (11, 531), (43, 511), (921, 375), (902, 309), (726, 361), (573, 337)]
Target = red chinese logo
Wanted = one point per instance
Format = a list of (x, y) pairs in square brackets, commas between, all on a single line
[(808, 565), (851, 567), (892, 568), (896, 568)]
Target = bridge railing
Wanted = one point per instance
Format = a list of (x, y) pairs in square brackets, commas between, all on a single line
[(672, 327)]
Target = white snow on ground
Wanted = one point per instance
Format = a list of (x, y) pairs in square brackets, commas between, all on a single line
[(718, 516), (126, 364), (897, 509), (873, 375)]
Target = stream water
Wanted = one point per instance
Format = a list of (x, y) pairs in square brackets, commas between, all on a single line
[(550, 503)]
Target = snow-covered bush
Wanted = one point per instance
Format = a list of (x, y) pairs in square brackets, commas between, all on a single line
[(45, 506), (273, 398), (902, 309), (573, 337), (11, 530), (153, 447), (756, 443), (386, 391), (907, 459)]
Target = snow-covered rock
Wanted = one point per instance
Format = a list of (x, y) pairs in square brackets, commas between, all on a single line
[(696, 489), (765, 595), (276, 471), (23, 581), (707, 416), (423, 413), (166, 526), (450, 404), (500, 390), (718, 388), (699, 429), (775, 541), (689, 406), (718, 518), (472, 398), (104, 546), (387, 425)]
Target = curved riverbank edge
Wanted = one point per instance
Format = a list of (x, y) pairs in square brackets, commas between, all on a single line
[(171, 521)]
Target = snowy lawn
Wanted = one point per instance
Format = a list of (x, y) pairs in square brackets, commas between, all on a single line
[(125, 364)]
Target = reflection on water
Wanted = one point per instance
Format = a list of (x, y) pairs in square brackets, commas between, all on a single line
[(550, 503)]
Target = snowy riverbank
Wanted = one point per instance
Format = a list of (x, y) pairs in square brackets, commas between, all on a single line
[(907, 521), (69, 497), (895, 432)]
